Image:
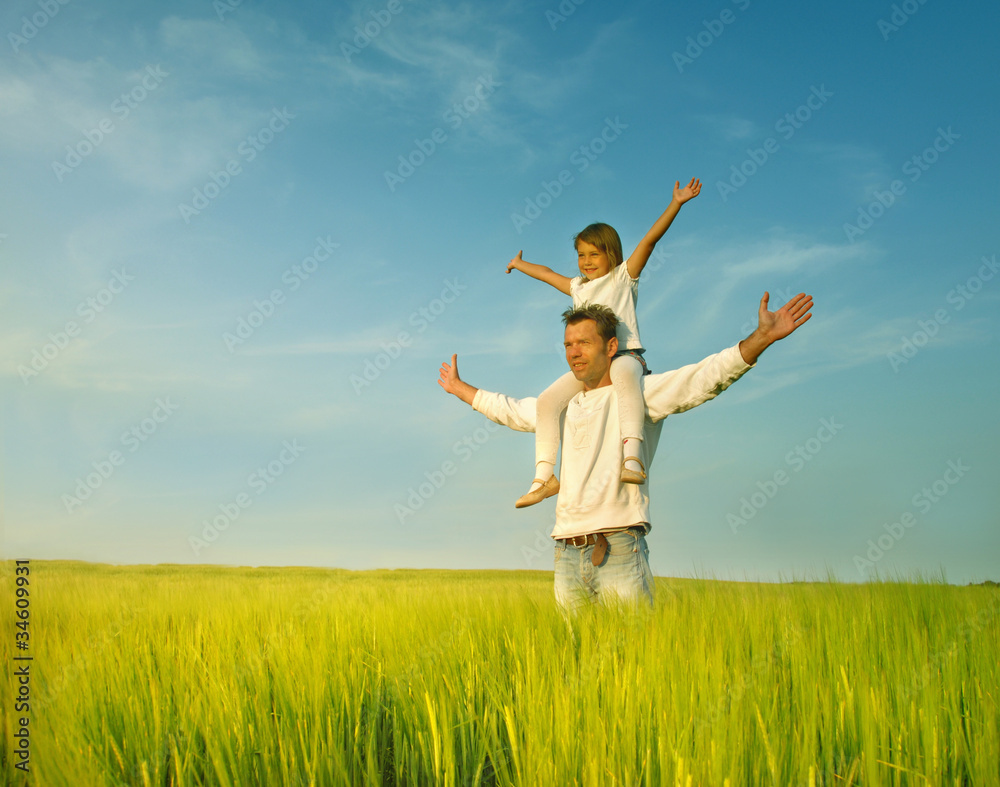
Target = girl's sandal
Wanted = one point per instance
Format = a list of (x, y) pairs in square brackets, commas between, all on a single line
[(633, 476), (547, 489)]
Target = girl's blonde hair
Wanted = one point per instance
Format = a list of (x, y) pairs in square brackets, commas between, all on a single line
[(604, 237)]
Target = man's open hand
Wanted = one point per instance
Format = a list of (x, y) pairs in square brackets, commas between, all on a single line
[(777, 325), (449, 380), (773, 326), (449, 375)]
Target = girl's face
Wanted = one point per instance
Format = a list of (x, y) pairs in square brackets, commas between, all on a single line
[(593, 262)]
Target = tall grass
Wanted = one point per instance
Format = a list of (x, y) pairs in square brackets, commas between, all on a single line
[(237, 676)]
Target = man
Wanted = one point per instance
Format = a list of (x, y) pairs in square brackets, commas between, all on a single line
[(601, 524)]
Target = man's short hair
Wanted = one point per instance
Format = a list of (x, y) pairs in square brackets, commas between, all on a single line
[(607, 322)]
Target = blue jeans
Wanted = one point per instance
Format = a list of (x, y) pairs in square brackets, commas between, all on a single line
[(623, 576)]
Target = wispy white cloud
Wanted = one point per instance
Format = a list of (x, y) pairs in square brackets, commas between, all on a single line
[(852, 338), (222, 50), (783, 255), (431, 57), (16, 96), (47, 101), (321, 418), (861, 168), (781, 259), (730, 128), (426, 49), (72, 116), (345, 346)]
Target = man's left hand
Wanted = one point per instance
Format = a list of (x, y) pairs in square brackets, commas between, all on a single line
[(773, 326), (777, 325)]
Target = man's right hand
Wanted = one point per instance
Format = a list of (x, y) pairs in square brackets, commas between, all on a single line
[(774, 326), (449, 380)]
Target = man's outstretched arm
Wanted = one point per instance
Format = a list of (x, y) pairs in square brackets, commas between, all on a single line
[(453, 384), (682, 389), (773, 326), (518, 414)]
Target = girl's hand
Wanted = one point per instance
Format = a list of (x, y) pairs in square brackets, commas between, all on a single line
[(690, 191), (515, 263)]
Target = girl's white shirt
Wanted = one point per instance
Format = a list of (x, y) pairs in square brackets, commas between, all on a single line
[(619, 292)]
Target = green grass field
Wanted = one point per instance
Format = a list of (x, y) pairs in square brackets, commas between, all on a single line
[(207, 675)]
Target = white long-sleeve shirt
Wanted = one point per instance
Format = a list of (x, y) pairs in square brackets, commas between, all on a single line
[(591, 495)]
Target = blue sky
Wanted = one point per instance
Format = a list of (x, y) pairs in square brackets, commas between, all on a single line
[(238, 239)]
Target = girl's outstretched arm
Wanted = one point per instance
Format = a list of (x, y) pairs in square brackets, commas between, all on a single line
[(637, 261), (541, 273)]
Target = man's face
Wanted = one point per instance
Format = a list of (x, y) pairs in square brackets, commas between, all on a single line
[(593, 262), (588, 355)]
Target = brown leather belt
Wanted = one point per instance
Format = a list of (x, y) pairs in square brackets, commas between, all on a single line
[(579, 541), (591, 538), (598, 540)]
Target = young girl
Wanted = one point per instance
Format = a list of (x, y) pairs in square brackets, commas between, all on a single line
[(603, 279)]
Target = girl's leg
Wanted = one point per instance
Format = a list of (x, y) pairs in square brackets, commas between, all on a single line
[(626, 377), (549, 408)]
